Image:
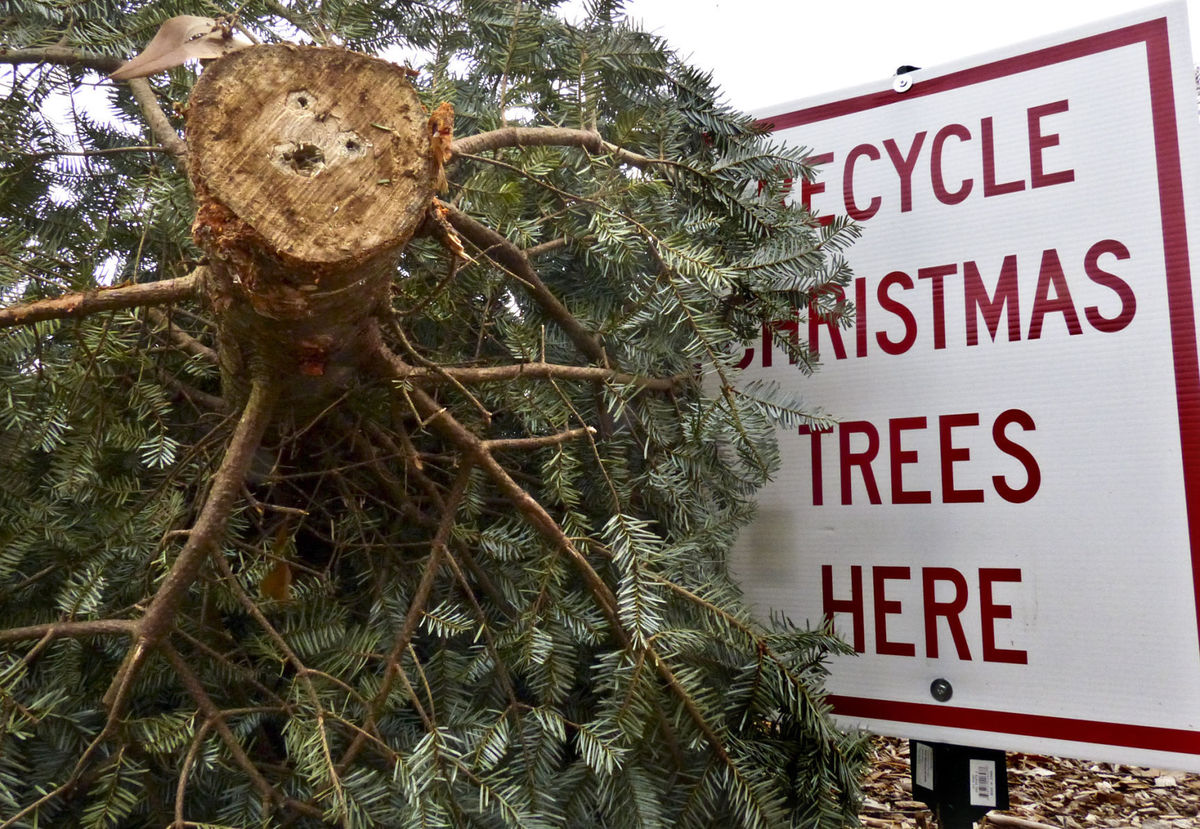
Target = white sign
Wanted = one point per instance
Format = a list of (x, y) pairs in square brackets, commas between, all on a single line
[(1010, 501)]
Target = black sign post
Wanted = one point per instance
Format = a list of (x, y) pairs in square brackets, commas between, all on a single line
[(960, 784)]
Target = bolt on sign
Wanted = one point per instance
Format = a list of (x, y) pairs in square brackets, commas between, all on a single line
[(1004, 520)]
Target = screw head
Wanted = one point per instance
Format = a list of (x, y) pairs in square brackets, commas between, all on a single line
[(902, 83), (941, 690)]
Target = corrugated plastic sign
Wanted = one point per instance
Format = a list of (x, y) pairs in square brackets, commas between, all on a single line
[(1005, 520)]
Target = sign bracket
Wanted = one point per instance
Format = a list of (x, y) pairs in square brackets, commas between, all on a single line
[(960, 784)]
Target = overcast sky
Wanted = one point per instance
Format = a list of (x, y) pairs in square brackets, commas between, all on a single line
[(766, 52)]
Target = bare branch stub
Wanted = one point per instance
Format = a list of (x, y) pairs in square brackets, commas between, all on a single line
[(312, 169)]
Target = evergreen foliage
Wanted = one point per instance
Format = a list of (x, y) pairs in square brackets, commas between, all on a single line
[(460, 594)]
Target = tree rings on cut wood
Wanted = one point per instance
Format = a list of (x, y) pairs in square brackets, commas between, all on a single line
[(324, 153)]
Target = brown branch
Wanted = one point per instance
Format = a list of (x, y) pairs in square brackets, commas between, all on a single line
[(513, 259), (203, 539), (534, 371), (61, 56), (416, 608), (429, 719), (157, 119), (185, 772), (479, 450), (689, 705), (537, 442), (245, 674), (429, 411), (212, 714), (484, 580), (199, 399), (92, 153), (546, 247), (81, 304), (181, 338), (415, 698), (588, 140), (71, 630)]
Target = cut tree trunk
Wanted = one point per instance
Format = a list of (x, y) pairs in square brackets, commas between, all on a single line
[(312, 169)]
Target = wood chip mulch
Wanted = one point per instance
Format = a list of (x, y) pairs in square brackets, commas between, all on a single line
[(1044, 793)]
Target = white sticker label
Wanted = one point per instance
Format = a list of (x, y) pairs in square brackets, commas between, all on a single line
[(923, 773), (983, 783)]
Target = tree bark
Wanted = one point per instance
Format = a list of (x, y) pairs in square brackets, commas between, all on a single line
[(312, 169)]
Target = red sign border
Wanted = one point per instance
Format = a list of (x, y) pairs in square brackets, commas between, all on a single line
[(1154, 34)]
